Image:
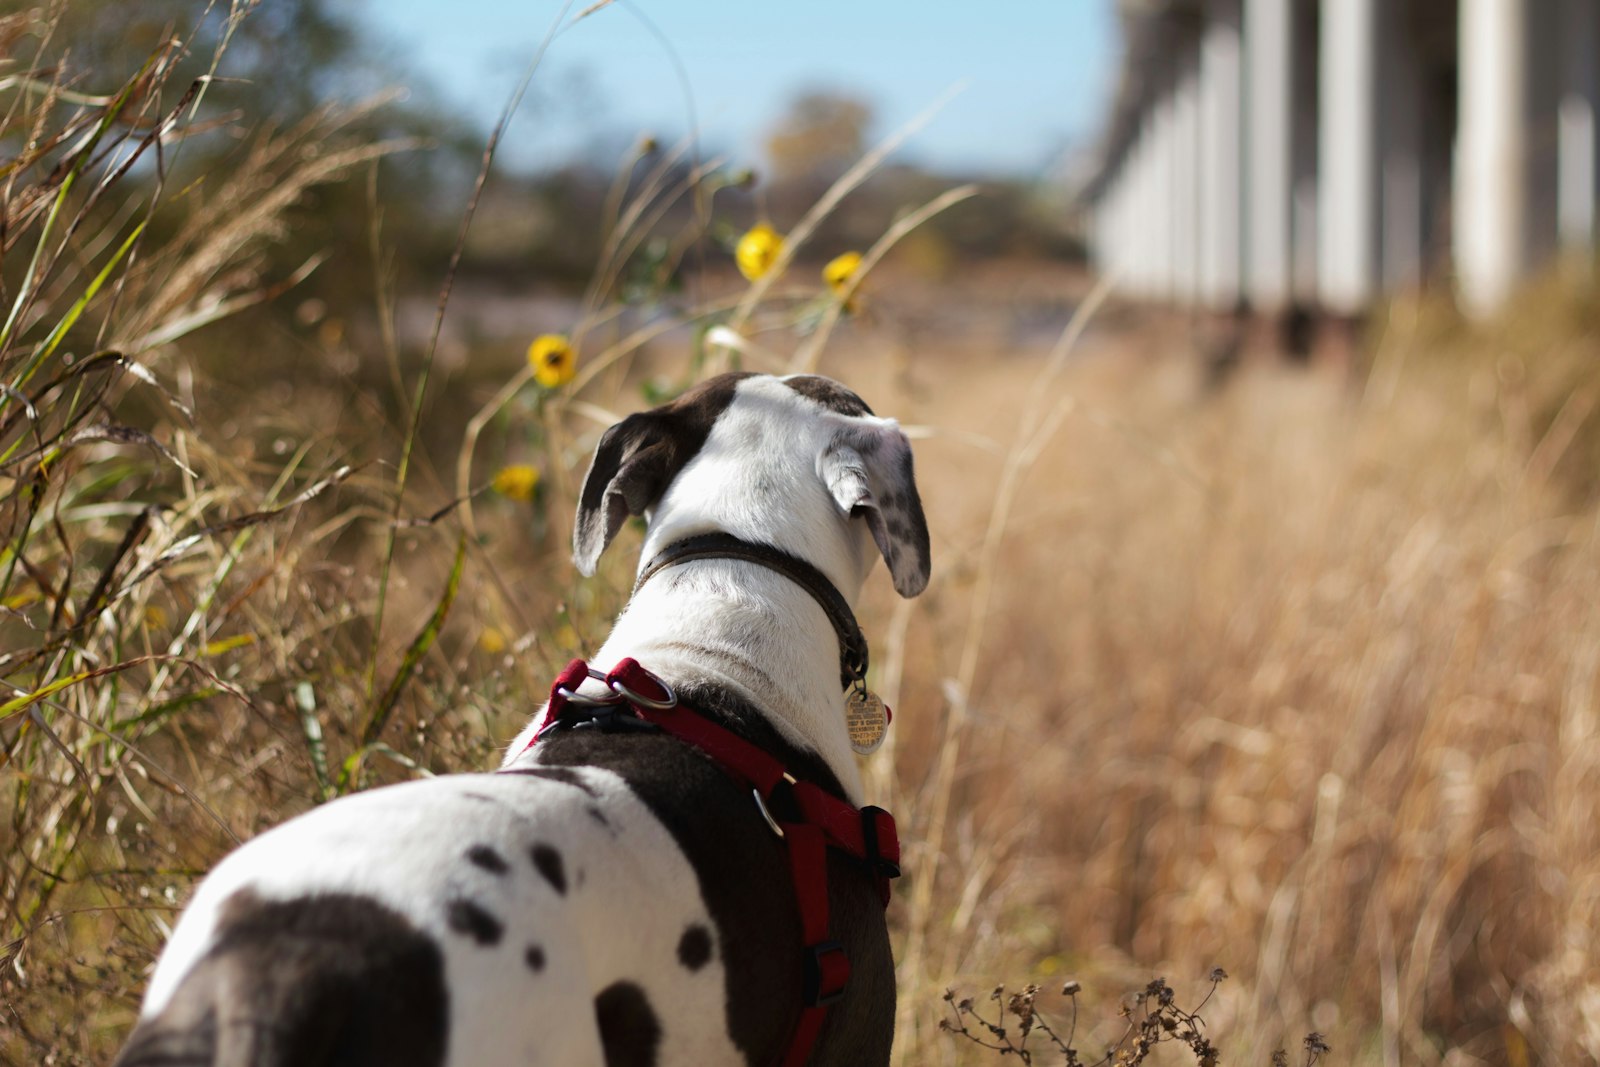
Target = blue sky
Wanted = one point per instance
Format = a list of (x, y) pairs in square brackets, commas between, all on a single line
[(1037, 73)]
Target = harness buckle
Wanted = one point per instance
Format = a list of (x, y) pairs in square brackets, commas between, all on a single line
[(583, 700), (827, 973), (761, 806), (665, 702), (613, 719)]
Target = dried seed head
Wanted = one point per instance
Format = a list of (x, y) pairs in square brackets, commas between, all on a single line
[(1071, 989)]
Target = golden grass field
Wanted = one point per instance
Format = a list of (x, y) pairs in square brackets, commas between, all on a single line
[(1295, 674)]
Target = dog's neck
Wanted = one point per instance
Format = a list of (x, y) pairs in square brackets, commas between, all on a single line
[(748, 629), (741, 626), (790, 465)]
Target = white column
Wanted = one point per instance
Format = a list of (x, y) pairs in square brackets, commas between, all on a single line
[(1490, 152), (1578, 175), (1347, 157), (1163, 163), (1117, 229), (1400, 153), (1095, 234), (1138, 176), (1139, 210), (1269, 96), (1130, 220), (1221, 186), (1110, 242), (1304, 188), (1104, 244), (1186, 179)]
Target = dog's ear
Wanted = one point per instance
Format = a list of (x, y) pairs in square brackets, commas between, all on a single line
[(869, 471), (638, 458), (635, 461)]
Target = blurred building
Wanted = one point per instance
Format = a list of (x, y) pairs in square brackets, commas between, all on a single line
[(1282, 154)]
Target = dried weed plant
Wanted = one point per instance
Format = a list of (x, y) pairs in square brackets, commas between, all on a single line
[(1275, 671), (1151, 1018), (222, 605)]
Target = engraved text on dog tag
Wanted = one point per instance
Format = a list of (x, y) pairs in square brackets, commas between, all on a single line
[(865, 719)]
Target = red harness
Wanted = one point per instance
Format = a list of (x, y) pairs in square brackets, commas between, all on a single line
[(824, 821)]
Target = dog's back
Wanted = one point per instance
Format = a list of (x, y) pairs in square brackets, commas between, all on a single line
[(607, 897), (330, 979), (314, 946)]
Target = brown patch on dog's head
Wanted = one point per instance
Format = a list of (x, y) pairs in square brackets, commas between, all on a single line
[(638, 458)]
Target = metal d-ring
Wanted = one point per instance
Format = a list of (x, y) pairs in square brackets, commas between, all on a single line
[(761, 806), (620, 688), (584, 701)]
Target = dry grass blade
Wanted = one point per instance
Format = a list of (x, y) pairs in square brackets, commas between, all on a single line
[(808, 355), (940, 786), (846, 183)]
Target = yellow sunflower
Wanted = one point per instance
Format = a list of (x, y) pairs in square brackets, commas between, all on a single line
[(553, 360), (841, 271), (516, 482), (758, 250)]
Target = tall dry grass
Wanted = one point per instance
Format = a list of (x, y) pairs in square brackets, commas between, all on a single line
[(1296, 677)]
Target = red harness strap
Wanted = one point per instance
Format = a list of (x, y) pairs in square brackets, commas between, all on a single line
[(825, 821)]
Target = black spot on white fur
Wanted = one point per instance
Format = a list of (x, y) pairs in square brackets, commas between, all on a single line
[(694, 947), (630, 1033), (548, 863), (829, 393), (534, 957), (301, 981), (638, 458), (469, 918), (555, 774), (488, 859)]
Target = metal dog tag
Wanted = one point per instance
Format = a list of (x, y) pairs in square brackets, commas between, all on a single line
[(864, 717)]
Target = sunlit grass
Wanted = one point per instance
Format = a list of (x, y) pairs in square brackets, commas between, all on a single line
[(1295, 676)]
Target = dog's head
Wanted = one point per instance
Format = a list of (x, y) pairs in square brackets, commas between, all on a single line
[(800, 463)]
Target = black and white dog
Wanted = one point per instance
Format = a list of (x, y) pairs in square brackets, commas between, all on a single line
[(614, 894)]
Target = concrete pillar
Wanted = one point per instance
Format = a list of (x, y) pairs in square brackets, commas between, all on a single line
[(1269, 94), (1491, 148), (1101, 243), (1185, 188), (1109, 245), (1163, 199), (1125, 218), (1117, 230), (1305, 188), (1138, 211), (1221, 185), (1145, 207), (1347, 243), (1133, 194), (1095, 234), (1578, 147), (1401, 193)]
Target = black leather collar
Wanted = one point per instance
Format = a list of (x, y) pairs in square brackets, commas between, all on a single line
[(852, 643)]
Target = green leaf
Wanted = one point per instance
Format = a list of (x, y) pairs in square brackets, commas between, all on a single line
[(305, 699), (384, 706)]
